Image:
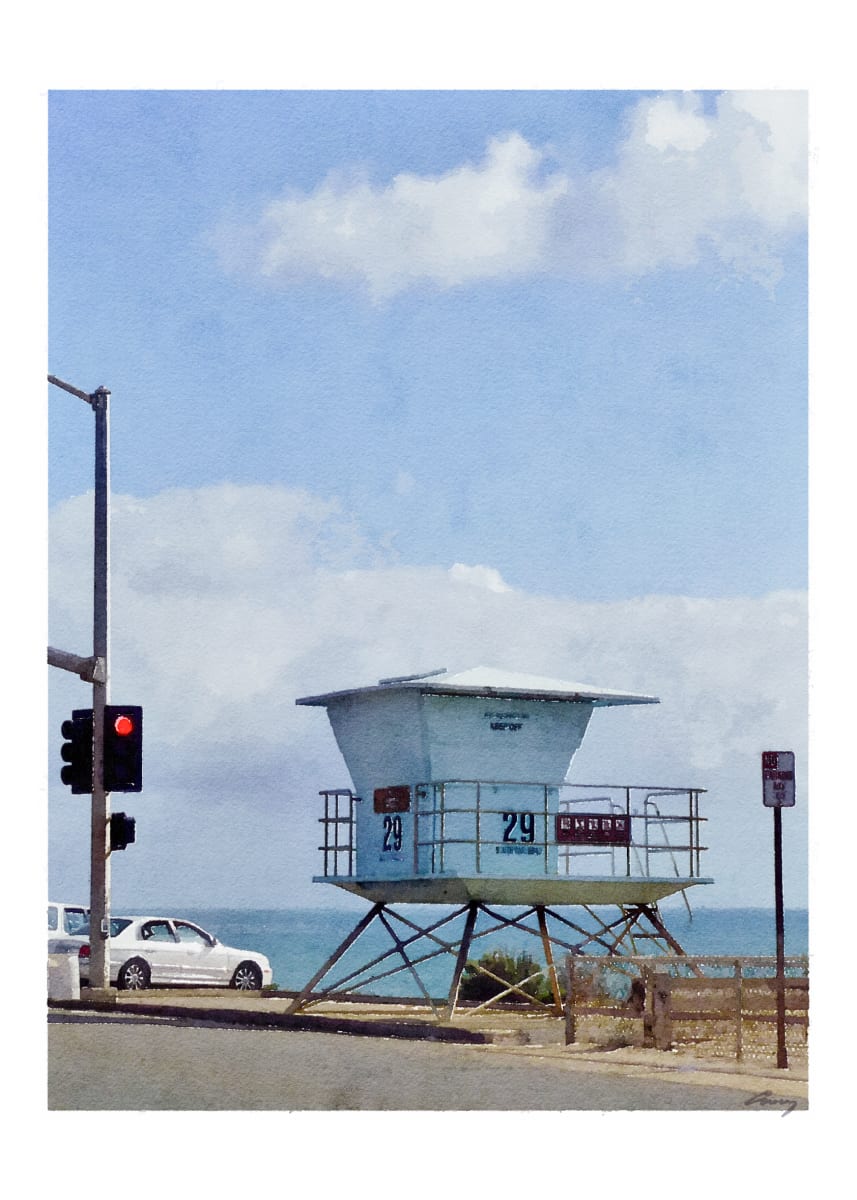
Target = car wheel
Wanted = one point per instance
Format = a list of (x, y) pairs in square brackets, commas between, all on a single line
[(247, 977), (134, 975)]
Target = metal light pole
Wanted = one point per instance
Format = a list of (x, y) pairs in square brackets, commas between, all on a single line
[(96, 670), (99, 873)]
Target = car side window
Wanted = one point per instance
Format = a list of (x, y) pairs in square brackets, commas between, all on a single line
[(53, 917), (157, 931), (190, 933), (75, 920)]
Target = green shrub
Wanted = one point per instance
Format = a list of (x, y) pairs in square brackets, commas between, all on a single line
[(509, 967)]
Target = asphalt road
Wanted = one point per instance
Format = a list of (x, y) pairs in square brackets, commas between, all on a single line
[(125, 1063)]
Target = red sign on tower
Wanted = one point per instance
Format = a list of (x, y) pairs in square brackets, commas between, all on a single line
[(593, 829)]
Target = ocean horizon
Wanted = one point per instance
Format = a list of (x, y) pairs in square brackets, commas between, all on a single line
[(299, 940)]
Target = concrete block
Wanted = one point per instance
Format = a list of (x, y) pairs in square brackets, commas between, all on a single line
[(63, 977)]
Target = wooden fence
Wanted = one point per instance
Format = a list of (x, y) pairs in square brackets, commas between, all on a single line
[(714, 1004)]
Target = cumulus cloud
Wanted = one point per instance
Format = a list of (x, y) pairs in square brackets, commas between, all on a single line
[(478, 576), (474, 222), (735, 182), (682, 183), (228, 603)]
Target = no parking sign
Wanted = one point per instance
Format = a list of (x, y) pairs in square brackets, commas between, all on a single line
[(778, 778)]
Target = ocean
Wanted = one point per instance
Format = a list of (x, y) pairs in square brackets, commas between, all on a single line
[(298, 941)]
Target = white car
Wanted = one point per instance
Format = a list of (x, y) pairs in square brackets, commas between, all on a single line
[(150, 951), (68, 927)]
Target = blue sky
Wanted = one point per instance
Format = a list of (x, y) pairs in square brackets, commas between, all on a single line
[(403, 378), (641, 417)]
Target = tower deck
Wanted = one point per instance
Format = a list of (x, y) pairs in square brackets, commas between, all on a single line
[(455, 889)]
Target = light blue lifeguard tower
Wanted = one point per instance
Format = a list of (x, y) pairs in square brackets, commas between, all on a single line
[(461, 798)]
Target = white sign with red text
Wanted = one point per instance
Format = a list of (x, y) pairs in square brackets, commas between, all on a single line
[(778, 778)]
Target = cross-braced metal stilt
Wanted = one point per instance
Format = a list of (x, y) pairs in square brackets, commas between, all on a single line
[(607, 935)]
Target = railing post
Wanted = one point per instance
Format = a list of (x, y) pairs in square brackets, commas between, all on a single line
[(478, 827), (739, 1006), (336, 834), (547, 871), (434, 828), (691, 831), (417, 829), (442, 823)]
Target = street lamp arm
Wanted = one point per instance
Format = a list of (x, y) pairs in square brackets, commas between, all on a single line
[(90, 670), (67, 387)]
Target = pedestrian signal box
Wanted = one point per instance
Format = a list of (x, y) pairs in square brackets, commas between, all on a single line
[(123, 830)]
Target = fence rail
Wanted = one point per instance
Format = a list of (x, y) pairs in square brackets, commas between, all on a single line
[(720, 1005)]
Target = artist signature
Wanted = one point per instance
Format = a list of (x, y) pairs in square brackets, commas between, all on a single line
[(769, 1100)]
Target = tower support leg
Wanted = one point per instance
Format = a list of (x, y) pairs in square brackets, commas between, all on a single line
[(355, 933), (614, 937), (650, 912), (551, 969), (461, 960)]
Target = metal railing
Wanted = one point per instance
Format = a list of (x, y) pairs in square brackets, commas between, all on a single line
[(504, 817), (648, 822), (433, 804), (335, 823)]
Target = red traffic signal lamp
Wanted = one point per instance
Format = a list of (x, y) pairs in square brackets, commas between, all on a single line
[(123, 748), (76, 751)]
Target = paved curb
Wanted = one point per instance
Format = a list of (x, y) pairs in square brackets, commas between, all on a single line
[(407, 1030)]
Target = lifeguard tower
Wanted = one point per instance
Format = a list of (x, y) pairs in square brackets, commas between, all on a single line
[(461, 798)]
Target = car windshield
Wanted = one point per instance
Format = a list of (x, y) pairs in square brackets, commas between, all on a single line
[(117, 924)]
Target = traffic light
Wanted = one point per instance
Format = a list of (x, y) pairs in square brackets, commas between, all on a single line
[(77, 751), (123, 748), (123, 831)]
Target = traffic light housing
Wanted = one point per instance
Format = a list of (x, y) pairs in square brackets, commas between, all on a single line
[(123, 831), (123, 748), (77, 751)]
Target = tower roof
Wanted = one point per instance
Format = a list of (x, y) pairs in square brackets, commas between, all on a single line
[(489, 681)]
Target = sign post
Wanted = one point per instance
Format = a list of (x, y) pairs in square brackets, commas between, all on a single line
[(778, 792)]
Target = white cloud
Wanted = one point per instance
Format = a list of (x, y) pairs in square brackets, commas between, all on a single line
[(481, 577), (473, 222), (672, 127), (228, 603), (734, 183)]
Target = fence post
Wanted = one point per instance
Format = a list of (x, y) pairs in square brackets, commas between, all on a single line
[(739, 1006), (649, 1008), (570, 1030), (662, 1018)]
